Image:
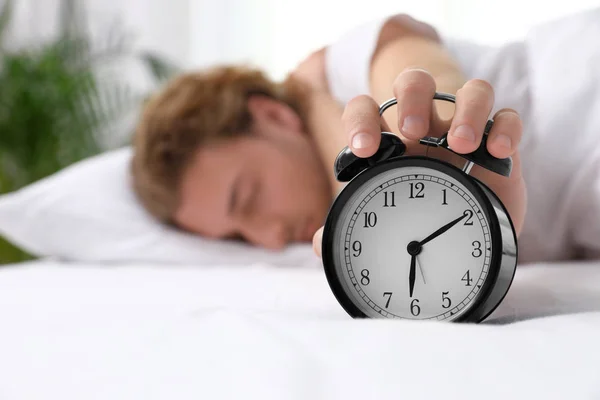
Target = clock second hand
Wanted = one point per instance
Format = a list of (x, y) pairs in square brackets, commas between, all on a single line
[(414, 262), (421, 270)]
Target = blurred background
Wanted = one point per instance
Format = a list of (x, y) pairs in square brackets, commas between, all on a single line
[(73, 73)]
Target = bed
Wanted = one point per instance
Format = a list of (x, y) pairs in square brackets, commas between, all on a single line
[(261, 331)]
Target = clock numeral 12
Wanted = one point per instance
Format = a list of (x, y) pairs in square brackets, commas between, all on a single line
[(392, 199), (370, 219), (444, 201), (419, 186)]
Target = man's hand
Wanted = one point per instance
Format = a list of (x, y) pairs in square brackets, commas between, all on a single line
[(417, 116)]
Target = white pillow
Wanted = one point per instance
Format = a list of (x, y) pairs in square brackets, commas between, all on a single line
[(88, 212)]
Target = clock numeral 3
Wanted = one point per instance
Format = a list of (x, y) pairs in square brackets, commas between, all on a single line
[(370, 219), (414, 307), (446, 302), (389, 294), (418, 188), (391, 202), (357, 247), (477, 249), (467, 278), (469, 214), (365, 280)]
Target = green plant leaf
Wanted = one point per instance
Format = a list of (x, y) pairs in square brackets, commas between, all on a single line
[(57, 100), (160, 69), (10, 253), (5, 15)]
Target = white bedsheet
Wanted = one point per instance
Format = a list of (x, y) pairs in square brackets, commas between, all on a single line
[(261, 332)]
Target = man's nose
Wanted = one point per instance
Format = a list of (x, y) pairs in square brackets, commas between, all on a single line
[(267, 231)]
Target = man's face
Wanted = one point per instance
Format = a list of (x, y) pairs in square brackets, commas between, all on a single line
[(269, 187)]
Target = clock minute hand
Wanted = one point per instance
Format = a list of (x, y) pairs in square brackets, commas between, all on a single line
[(442, 230), (411, 275)]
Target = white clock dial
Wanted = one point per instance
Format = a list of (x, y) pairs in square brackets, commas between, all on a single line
[(381, 219)]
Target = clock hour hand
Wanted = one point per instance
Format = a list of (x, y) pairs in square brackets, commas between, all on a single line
[(442, 230), (411, 274)]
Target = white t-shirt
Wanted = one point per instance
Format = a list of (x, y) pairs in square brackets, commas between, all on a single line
[(552, 79)]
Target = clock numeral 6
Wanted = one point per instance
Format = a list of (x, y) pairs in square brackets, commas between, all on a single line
[(365, 280), (370, 219), (414, 307), (357, 247), (418, 188), (446, 302)]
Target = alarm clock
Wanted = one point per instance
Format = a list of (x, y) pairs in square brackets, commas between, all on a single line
[(412, 237)]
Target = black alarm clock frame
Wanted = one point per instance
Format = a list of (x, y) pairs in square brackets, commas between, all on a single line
[(390, 157)]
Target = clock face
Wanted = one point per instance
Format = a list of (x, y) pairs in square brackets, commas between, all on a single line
[(412, 242)]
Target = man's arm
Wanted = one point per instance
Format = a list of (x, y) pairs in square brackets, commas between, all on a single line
[(411, 67), (403, 48), (402, 43)]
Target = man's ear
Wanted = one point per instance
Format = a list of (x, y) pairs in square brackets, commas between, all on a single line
[(265, 109)]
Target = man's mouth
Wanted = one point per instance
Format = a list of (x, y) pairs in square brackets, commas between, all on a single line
[(307, 230)]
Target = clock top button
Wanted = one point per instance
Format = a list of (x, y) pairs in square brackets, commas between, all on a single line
[(348, 165)]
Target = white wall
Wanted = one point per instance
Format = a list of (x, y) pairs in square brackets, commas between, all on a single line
[(276, 34), (271, 34), (161, 25), (499, 21)]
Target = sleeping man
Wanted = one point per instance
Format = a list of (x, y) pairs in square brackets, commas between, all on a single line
[(228, 153)]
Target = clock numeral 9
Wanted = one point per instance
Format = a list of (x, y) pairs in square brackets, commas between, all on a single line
[(370, 219), (389, 294), (418, 188), (365, 280), (477, 249), (414, 307), (446, 302), (389, 199), (469, 214), (357, 247)]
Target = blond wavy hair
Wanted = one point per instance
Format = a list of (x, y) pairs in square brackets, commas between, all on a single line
[(192, 110)]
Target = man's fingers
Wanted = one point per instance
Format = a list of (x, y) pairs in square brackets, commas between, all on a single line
[(362, 124), (414, 89), (505, 136), (317, 239), (474, 102)]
